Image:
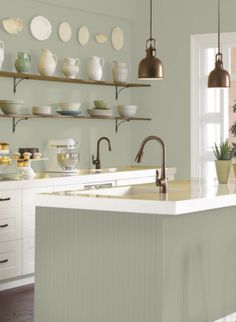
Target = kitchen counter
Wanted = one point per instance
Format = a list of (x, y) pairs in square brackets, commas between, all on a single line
[(9, 181), (114, 254), (186, 196)]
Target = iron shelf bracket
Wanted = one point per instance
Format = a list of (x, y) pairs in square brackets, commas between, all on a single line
[(14, 122), (16, 81), (119, 123), (118, 90)]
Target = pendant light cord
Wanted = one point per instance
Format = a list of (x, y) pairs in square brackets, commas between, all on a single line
[(151, 19), (218, 26)]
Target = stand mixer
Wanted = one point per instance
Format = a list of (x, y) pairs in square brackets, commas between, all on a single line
[(63, 155)]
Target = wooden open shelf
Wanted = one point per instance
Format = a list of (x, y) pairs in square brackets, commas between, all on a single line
[(17, 118), (18, 77)]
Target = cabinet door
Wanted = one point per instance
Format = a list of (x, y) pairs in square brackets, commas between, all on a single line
[(28, 255), (10, 259), (10, 198), (28, 221), (10, 224), (29, 194)]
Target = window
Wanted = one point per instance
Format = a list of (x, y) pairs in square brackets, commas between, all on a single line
[(211, 109)]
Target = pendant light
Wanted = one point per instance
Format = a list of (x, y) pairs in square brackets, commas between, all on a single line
[(219, 77), (150, 67)]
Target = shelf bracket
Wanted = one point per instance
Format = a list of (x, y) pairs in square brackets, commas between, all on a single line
[(119, 123), (118, 90), (14, 122), (16, 82)]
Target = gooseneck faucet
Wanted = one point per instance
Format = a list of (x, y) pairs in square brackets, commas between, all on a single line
[(97, 161), (162, 181)]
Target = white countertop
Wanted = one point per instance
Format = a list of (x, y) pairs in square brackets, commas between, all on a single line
[(183, 197), (82, 176)]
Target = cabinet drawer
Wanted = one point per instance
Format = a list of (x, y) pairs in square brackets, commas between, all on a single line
[(10, 259), (10, 229), (28, 255), (29, 194), (10, 198)]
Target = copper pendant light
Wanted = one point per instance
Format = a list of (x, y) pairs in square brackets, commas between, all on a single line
[(150, 67), (219, 77)]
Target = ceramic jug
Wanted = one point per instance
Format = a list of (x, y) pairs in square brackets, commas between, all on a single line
[(23, 62), (1, 53), (70, 67), (95, 68), (47, 63), (119, 72)]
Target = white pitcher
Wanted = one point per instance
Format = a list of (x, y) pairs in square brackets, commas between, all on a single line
[(95, 68), (1, 53), (70, 67), (47, 63), (119, 72)]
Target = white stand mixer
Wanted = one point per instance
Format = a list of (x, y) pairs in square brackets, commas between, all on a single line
[(61, 150)]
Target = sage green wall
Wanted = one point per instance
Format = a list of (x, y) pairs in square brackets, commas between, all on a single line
[(37, 132), (168, 101)]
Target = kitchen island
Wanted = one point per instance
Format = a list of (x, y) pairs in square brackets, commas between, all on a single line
[(131, 254)]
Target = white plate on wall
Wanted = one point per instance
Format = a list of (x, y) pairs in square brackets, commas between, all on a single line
[(64, 31), (83, 35), (117, 38), (12, 25), (41, 28)]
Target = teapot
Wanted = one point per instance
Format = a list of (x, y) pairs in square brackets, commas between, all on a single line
[(95, 68), (23, 62), (1, 53), (119, 72), (70, 67), (47, 63)]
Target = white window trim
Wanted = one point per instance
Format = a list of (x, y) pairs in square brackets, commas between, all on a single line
[(197, 42)]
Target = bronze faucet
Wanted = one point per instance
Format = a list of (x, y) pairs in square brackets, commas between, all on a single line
[(97, 161), (162, 181)]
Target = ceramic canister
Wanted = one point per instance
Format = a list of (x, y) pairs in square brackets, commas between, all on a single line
[(119, 72), (47, 63), (23, 63)]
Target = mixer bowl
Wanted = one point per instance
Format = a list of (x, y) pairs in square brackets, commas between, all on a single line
[(68, 160)]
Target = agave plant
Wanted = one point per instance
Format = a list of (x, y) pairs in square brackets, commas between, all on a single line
[(224, 151)]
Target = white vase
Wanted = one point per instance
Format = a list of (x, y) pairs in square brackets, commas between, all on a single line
[(1, 53), (119, 72), (47, 63), (70, 67), (95, 68)]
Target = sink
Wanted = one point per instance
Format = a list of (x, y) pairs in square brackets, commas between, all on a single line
[(118, 191)]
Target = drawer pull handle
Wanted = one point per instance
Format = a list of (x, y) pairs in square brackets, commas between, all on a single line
[(4, 226), (5, 199), (4, 261)]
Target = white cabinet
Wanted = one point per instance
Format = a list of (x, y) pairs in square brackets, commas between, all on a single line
[(28, 255), (10, 224), (10, 259)]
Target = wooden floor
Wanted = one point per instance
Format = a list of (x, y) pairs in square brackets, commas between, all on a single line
[(16, 305)]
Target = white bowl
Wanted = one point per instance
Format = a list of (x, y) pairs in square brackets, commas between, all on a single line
[(127, 110), (42, 110), (11, 106), (69, 106)]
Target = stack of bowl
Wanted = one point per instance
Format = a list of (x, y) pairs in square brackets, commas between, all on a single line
[(100, 109), (11, 106)]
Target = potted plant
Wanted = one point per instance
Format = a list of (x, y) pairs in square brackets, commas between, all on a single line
[(223, 154), (233, 131)]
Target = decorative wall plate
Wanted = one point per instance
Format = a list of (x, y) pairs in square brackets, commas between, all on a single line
[(101, 38), (64, 31), (117, 38), (41, 28), (12, 25), (83, 35)]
